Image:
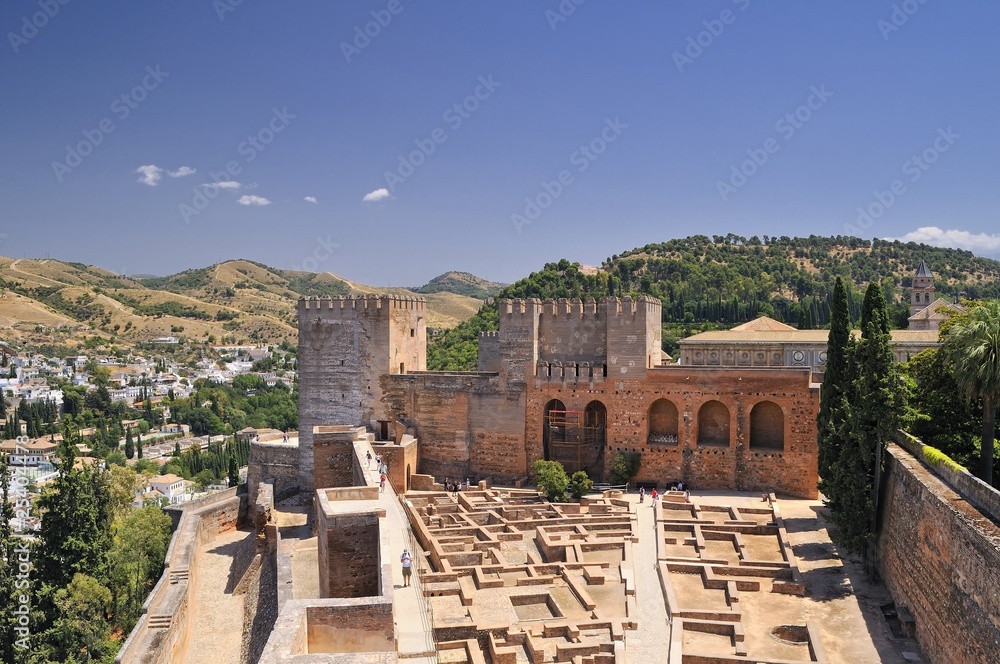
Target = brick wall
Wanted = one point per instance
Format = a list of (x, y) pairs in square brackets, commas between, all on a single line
[(334, 458), (277, 461), (349, 555), (940, 558)]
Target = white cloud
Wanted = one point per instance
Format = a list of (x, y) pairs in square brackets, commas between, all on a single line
[(182, 171), (309, 199), (151, 174), (225, 184), (253, 200), (953, 239), (375, 196)]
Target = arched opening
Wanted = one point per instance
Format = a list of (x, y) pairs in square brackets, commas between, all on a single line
[(407, 477), (553, 426), (713, 424), (662, 423), (767, 426)]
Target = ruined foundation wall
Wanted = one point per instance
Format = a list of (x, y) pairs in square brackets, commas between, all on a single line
[(940, 558)]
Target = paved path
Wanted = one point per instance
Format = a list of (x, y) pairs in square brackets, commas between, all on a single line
[(413, 629), (650, 643), (216, 619)]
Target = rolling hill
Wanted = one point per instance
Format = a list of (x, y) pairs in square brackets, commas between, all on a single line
[(61, 303), (719, 282)]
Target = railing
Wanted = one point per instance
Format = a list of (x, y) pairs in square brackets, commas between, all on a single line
[(420, 563)]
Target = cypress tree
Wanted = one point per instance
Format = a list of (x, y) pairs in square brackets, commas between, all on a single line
[(873, 417), (837, 383), (138, 446), (129, 446), (234, 471)]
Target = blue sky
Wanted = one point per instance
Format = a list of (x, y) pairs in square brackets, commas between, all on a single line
[(542, 130)]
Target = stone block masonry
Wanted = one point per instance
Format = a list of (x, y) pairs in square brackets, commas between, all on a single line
[(572, 380), (940, 558)]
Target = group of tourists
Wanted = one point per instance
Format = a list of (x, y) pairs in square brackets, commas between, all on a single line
[(381, 466), (456, 486), (654, 494)]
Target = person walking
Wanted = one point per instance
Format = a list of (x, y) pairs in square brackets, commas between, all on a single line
[(368, 456), (407, 560), (642, 494), (381, 483), (652, 498)]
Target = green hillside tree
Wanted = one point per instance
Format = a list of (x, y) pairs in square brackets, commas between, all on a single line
[(973, 347), (129, 445)]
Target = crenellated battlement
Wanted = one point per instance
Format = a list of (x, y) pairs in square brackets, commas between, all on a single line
[(489, 335), (625, 307), (340, 305)]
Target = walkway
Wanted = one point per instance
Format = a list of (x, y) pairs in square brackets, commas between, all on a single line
[(216, 616), (650, 644), (413, 628)]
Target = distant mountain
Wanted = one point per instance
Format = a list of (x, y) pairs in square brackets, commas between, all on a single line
[(461, 283), (60, 303)]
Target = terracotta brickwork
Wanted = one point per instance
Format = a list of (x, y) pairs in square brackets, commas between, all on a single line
[(940, 558), (560, 355)]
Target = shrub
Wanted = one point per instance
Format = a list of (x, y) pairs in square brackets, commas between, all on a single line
[(580, 484), (550, 476), (624, 467)]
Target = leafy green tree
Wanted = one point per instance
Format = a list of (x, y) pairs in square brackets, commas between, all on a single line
[(550, 476), (943, 418), (115, 458), (972, 344), (624, 466), (81, 632), (140, 541), (580, 484), (837, 380)]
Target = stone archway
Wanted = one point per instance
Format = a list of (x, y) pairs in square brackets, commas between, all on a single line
[(713, 424), (767, 426), (553, 431), (662, 422)]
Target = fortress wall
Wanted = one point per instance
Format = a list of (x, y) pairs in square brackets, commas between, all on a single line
[(273, 461), (791, 470), (163, 639), (940, 558), (345, 346), (572, 331), (467, 423)]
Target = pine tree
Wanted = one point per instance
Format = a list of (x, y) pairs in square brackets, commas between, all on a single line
[(838, 379)]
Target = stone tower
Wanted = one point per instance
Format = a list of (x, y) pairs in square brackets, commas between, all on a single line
[(346, 346), (922, 289)]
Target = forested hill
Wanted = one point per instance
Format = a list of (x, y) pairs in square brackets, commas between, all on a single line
[(722, 281)]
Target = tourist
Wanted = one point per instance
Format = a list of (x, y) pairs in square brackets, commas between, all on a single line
[(407, 561), (368, 456), (468, 484), (680, 486), (381, 483), (642, 493), (687, 496), (652, 498), (384, 469)]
